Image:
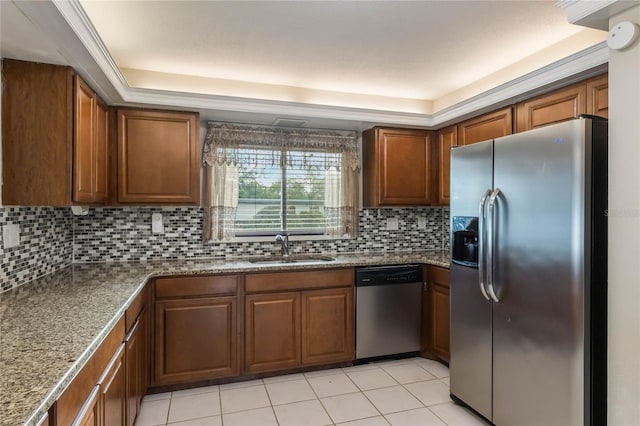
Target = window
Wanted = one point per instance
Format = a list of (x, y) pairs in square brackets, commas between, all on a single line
[(265, 181), (274, 198)]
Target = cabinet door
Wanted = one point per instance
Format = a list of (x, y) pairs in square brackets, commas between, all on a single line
[(554, 107), (90, 413), (135, 353), (327, 326), (272, 331), (158, 157), (447, 138), (112, 391), (486, 127), (101, 153), (438, 287), (84, 171), (195, 339), (397, 167), (598, 96)]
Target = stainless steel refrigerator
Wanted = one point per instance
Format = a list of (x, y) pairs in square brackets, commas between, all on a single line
[(528, 276)]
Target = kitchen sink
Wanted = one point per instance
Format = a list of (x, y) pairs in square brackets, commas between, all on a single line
[(292, 259)]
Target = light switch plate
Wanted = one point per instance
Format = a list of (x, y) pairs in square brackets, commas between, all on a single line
[(392, 224), (10, 235)]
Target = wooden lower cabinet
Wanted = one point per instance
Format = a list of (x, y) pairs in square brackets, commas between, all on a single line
[(435, 316), (293, 329), (112, 391), (327, 326), (272, 331), (195, 339), (90, 412), (137, 367)]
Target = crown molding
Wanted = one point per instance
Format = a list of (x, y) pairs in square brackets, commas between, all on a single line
[(74, 14), (539, 81), (594, 14), (581, 65)]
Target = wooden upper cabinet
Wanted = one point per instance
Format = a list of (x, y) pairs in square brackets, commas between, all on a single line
[(90, 145), (84, 165), (158, 157), (447, 138), (598, 96), (101, 182), (486, 127), (397, 167), (53, 137), (555, 107)]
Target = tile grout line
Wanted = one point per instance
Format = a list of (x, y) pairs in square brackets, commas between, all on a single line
[(319, 399), (275, 416)]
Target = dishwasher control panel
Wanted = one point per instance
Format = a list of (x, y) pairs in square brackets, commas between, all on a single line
[(391, 274)]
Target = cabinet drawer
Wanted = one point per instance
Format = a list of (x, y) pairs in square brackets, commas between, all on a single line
[(279, 281), (196, 286)]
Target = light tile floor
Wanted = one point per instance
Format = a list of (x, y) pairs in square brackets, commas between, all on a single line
[(409, 392)]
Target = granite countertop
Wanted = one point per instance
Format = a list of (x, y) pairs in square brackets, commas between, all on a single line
[(51, 326)]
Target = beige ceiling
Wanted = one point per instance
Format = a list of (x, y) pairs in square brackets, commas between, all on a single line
[(413, 56)]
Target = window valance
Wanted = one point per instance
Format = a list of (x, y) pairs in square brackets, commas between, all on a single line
[(223, 140)]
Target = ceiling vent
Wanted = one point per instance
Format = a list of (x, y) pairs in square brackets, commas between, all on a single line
[(289, 122)]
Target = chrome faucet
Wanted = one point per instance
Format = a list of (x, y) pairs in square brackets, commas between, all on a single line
[(283, 239)]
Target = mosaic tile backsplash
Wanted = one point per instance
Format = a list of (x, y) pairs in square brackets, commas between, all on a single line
[(124, 234), (52, 238), (46, 243)]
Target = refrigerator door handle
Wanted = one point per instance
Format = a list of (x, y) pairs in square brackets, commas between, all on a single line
[(481, 242), (491, 245)]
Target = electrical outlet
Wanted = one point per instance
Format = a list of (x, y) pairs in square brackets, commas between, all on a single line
[(10, 235), (422, 223), (392, 223), (157, 227)]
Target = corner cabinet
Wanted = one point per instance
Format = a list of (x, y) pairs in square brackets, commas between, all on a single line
[(158, 158), (435, 314), (54, 137), (397, 167)]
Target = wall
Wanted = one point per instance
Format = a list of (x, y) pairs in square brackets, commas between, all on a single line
[(624, 231), (46, 244), (124, 234)]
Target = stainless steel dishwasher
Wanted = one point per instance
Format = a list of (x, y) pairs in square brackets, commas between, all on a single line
[(388, 307)]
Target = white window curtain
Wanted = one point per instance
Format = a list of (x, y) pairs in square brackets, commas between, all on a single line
[(222, 159)]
